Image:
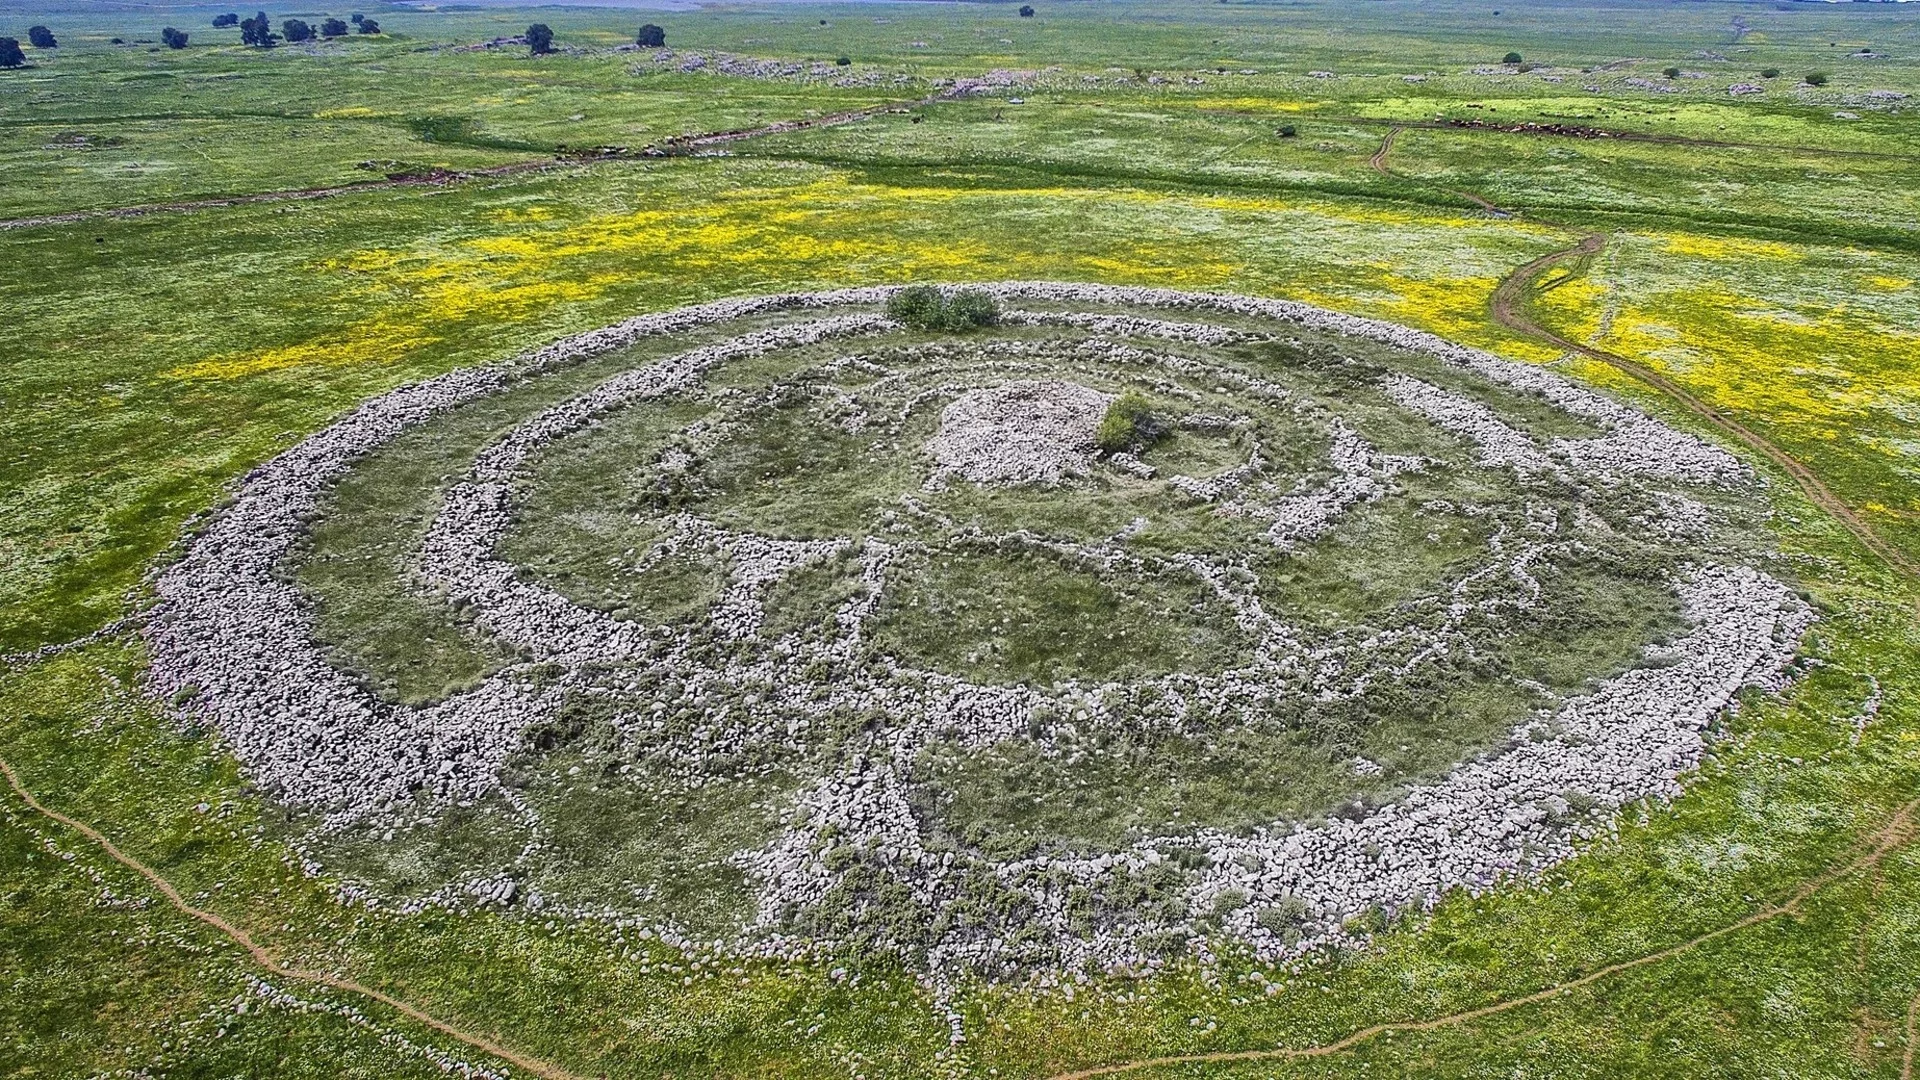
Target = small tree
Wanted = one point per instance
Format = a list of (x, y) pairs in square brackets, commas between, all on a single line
[(1026, 11), (1671, 73), (173, 39), (297, 30), (41, 38), (651, 37), (258, 31), (1770, 73), (368, 26), (221, 22), (1511, 58), (1129, 424), (540, 38), (356, 18), (1816, 78), (332, 28), (844, 61), (10, 54)]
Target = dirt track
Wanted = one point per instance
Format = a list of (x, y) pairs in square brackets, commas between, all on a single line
[(1509, 309), (1898, 831), (265, 959)]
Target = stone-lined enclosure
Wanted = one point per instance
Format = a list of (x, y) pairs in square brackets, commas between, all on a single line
[(873, 725)]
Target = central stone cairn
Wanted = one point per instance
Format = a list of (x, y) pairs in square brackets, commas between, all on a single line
[(931, 669), (1022, 432)]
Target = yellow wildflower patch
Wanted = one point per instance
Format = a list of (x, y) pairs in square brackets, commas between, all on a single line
[(1251, 104), (1818, 370), (525, 260), (1727, 247), (375, 342)]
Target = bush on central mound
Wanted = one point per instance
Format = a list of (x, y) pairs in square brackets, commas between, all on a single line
[(1129, 424), (924, 307)]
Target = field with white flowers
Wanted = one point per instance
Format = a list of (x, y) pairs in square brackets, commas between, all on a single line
[(900, 540)]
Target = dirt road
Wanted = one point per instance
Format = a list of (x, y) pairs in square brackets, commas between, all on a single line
[(266, 960)]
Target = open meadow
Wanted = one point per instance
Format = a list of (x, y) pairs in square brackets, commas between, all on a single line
[(1391, 547)]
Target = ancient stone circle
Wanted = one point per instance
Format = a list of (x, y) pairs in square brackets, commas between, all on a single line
[(234, 650)]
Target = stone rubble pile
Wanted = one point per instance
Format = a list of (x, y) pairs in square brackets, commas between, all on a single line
[(1025, 432)]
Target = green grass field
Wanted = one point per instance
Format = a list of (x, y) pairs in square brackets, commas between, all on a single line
[(1761, 252)]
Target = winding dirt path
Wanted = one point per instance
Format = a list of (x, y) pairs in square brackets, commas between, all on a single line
[(1898, 831), (1913, 1036), (1378, 162), (265, 959), (1509, 309)]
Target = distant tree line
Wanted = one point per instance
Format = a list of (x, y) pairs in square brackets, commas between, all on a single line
[(258, 31)]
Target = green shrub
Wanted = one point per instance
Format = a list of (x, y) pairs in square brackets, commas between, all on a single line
[(1671, 73), (1816, 78), (1129, 424), (1770, 73), (1511, 58), (924, 307), (918, 306), (969, 308)]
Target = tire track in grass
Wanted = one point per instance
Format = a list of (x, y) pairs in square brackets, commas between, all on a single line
[(1378, 162), (1509, 310), (1508, 306), (1890, 837), (265, 959), (1913, 1035)]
